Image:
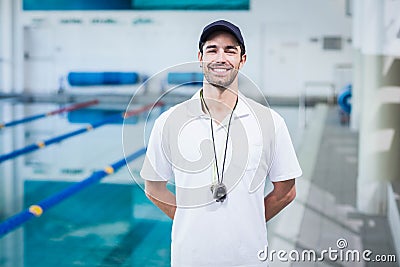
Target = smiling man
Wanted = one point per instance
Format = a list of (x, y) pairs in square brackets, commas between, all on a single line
[(218, 148)]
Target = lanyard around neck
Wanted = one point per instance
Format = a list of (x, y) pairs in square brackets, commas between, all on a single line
[(220, 180)]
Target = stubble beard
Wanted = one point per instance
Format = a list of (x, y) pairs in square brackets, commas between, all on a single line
[(221, 83)]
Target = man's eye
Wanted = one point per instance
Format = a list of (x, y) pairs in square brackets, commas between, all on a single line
[(231, 51), (211, 51)]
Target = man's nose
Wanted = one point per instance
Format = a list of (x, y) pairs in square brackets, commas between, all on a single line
[(221, 57)]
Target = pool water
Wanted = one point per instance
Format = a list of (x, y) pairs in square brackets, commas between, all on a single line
[(107, 224), (96, 227)]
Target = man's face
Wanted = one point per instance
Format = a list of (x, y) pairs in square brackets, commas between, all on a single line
[(221, 59)]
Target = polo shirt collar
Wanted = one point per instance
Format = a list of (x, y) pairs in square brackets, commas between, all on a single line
[(195, 110)]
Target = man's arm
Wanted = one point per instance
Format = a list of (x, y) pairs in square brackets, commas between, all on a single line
[(164, 199), (284, 192)]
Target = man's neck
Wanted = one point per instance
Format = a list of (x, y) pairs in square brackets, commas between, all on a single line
[(220, 99), (220, 102)]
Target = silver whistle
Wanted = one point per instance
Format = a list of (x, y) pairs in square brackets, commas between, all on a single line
[(219, 192)]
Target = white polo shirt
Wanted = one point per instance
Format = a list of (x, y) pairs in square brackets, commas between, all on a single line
[(206, 232)]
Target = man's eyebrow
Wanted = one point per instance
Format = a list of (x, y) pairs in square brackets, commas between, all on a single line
[(226, 47), (211, 46), (231, 47)]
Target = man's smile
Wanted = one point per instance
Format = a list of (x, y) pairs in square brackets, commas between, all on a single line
[(220, 70)]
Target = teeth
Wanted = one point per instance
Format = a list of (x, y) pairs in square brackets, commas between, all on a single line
[(220, 70)]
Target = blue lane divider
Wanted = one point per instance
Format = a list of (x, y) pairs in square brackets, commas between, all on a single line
[(62, 137), (102, 78), (51, 113), (38, 209), (185, 78)]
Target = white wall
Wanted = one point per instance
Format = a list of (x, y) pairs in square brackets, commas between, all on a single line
[(5, 45), (391, 29), (277, 32)]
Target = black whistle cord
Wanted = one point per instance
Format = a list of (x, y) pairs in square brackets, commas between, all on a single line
[(213, 139)]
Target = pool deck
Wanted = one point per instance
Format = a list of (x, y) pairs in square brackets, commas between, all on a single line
[(323, 212), (325, 208)]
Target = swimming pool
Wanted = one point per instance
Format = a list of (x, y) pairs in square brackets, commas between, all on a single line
[(108, 224)]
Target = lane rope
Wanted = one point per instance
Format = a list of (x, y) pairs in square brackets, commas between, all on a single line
[(37, 210), (51, 113), (58, 139)]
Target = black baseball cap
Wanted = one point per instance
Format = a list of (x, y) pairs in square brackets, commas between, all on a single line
[(222, 25)]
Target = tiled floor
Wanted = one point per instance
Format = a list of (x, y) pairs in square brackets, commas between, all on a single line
[(330, 212)]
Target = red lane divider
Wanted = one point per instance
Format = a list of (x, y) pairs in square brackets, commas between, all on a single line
[(51, 113)]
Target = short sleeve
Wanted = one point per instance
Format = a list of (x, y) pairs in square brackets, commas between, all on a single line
[(285, 164), (156, 166)]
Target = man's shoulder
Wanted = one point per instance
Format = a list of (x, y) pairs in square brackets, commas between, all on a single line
[(254, 104), (264, 110), (183, 108)]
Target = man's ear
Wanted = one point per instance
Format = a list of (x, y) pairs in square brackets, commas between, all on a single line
[(200, 56), (242, 61)]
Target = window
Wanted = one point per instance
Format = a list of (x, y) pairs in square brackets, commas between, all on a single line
[(31, 5), (332, 43), (190, 4)]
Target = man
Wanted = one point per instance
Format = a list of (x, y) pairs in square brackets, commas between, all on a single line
[(219, 147)]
